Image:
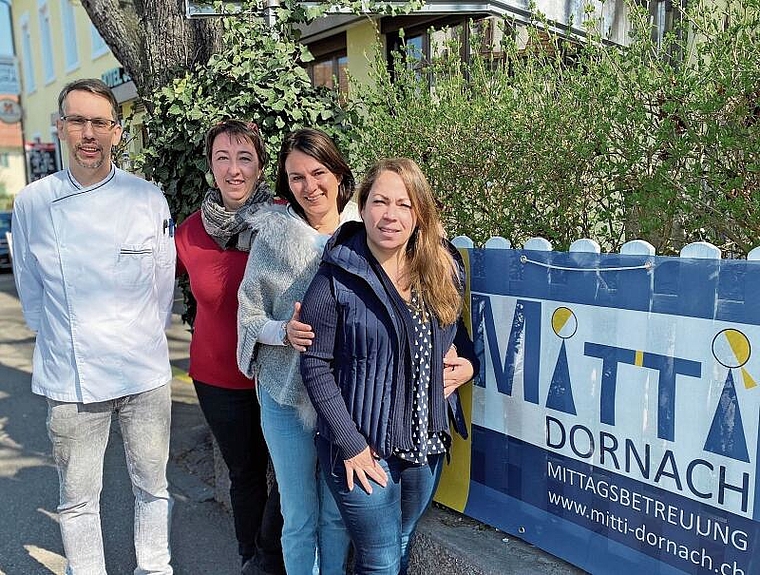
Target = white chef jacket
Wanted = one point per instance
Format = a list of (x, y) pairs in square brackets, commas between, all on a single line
[(94, 269)]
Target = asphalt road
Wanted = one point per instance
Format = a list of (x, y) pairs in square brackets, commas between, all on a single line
[(203, 539)]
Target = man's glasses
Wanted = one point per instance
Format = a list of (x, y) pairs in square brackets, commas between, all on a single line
[(99, 125)]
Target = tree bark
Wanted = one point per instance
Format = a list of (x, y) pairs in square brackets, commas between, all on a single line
[(153, 39)]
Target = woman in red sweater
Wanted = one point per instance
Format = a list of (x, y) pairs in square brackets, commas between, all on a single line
[(212, 248)]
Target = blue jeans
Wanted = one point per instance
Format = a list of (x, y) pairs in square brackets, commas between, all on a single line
[(314, 539), (381, 523), (79, 433), (234, 419)]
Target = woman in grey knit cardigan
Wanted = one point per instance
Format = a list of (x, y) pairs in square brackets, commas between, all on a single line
[(317, 183)]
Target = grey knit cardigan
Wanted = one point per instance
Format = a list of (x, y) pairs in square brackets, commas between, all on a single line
[(284, 257)]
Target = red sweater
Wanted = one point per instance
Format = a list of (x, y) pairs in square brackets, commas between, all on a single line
[(215, 275)]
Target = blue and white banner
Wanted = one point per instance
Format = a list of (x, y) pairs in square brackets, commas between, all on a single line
[(615, 417)]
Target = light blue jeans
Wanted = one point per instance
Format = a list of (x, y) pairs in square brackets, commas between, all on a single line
[(314, 539), (79, 433)]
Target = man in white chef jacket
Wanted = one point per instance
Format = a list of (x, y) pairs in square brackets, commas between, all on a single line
[(93, 260)]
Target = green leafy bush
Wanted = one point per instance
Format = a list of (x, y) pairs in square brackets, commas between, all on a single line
[(584, 139), (258, 76), (560, 138)]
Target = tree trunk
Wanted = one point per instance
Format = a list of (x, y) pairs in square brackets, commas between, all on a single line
[(153, 39)]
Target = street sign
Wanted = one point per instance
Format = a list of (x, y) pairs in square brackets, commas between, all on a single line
[(9, 80), (10, 111)]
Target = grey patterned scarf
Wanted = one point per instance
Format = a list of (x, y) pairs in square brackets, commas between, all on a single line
[(229, 229)]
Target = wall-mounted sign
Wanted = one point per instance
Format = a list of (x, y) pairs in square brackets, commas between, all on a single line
[(10, 111), (42, 160), (206, 8), (9, 80), (115, 77)]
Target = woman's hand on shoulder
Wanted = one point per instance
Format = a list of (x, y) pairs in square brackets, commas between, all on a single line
[(456, 371), (366, 467)]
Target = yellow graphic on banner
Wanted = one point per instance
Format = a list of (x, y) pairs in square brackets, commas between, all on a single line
[(454, 487), (749, 382), (732, 350), (564, 322)]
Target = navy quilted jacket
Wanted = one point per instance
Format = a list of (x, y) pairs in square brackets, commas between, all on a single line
[(357, 371)]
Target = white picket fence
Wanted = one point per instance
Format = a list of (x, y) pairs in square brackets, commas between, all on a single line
[(698, 250)]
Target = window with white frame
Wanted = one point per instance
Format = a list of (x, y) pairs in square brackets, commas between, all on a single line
[(69, 29), (46, 41), (99, 46), (30, 83)]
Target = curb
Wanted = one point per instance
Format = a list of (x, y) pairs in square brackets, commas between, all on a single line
[(448, 543)]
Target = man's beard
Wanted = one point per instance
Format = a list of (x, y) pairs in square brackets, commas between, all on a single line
[(91, 164)]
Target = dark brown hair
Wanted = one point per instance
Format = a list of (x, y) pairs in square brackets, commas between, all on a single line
[(246, 131), (319, 146), (93, 86)]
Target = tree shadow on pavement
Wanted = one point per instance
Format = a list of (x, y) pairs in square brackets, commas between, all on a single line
[(203, 538)]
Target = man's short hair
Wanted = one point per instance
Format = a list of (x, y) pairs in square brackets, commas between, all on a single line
[(92, 85)]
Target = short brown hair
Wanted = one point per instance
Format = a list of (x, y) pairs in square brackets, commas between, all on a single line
[(320, 146), (93, 86), (247, 131)]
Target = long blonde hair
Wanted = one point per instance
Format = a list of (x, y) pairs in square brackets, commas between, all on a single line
[(430, 268)]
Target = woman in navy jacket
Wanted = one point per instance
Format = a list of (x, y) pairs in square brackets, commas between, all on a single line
[(389, 351)]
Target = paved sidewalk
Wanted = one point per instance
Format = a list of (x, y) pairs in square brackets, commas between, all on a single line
[(203, 540)]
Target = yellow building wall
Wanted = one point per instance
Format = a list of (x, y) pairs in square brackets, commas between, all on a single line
[(13, 176), (132, 138), (722, 11), (42, 103), (361, 42)]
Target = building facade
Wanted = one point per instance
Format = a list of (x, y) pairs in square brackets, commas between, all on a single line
[(12, 169), (344, 43), (56, 43)]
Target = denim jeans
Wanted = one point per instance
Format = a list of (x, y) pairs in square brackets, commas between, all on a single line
[(79, 433), (314, 539), (233, 417), (381, 523)]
